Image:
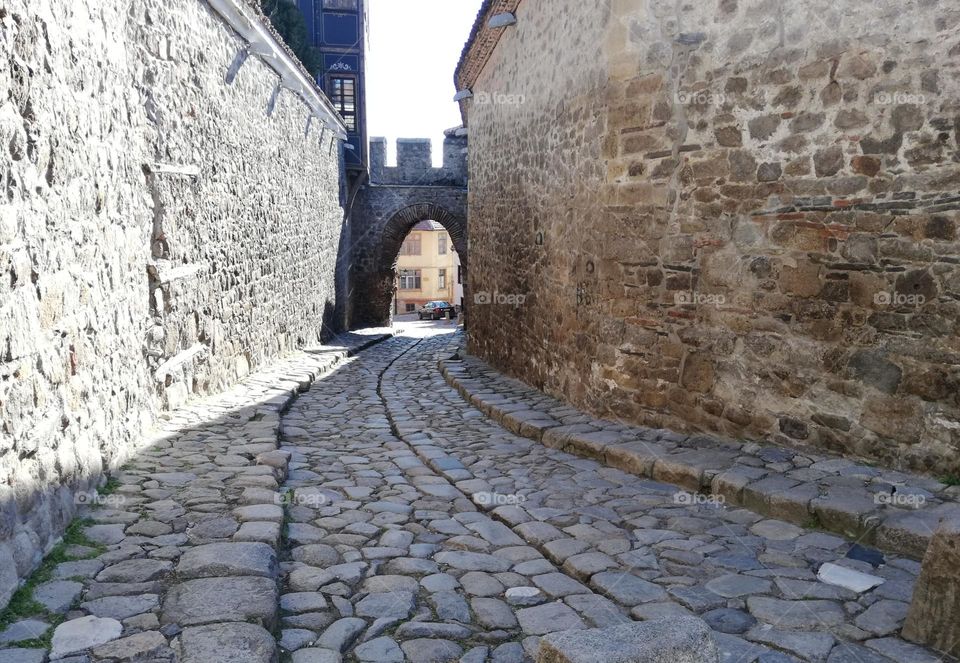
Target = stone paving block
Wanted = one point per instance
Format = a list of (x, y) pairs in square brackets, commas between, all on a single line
[(20, 655), (135, 570), (210, 600), (808, 646), (851, 512), (692, 469), (557, 437), (57, 595), (730, 483), (225, 559), (547, 618), (678, 640), (83, 633), (24, 629), (591, 445), (259, 532), (909, 532), (637, 457), (756, 494), (430, 650), (148, 645), (121, 607), (792, 504), (626, 588), (249, 643)]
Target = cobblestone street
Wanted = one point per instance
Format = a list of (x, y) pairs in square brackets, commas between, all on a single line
[(395, 522)]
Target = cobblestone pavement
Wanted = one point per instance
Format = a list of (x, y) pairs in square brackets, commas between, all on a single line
[(896, 510), (418, 529)]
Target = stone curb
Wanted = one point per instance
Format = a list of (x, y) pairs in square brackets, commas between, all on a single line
[(701, 464)]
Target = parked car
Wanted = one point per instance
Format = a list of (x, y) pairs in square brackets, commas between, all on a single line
[(437, 311)]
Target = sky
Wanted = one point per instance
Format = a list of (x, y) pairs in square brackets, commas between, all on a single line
[(414, 47)]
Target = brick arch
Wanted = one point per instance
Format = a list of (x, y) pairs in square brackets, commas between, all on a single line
[(398, 225)]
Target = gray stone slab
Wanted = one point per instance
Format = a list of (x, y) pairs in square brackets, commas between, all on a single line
[(228, 559), (121, 607), (209, 600), (675, 640), (216, 643), (24, 629), (20, 655), (627, 589), (548, 618), (78, 635), (57, 595)]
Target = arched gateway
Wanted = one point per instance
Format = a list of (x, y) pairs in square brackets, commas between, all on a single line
[(396, 199)]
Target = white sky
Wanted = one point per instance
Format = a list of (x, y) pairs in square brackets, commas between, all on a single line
[(414, 47)]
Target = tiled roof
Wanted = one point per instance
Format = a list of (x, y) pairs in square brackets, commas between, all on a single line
[(481, 42), (428, 225)]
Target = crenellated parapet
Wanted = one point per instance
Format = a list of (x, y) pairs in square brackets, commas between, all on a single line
[(415, 164)]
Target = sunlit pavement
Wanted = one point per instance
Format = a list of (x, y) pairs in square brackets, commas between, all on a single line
[(410, 526)]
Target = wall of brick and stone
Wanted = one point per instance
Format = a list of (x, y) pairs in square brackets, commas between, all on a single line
[(162, 232), (732, 216)]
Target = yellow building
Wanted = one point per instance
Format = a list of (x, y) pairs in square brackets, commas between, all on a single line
[(428, 269)]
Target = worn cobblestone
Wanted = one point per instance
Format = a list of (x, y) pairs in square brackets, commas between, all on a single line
[(384, 557)]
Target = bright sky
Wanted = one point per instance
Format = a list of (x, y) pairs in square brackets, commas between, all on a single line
[(414, 47)]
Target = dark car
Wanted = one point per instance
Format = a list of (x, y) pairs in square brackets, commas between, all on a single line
[(437, 311)]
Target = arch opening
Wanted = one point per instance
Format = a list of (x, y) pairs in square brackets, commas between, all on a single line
[(378, 285)]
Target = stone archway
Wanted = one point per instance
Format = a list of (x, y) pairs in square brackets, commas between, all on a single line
[(375, 282)]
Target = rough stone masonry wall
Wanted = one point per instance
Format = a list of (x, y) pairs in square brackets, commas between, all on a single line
[(732, 216), (153, 217)]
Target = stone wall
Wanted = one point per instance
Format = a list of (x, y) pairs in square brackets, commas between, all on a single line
[(162, 232), (733, 216), (396, 199)]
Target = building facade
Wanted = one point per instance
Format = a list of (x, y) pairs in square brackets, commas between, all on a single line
[(737, 218), (428, 269), (338, 29)]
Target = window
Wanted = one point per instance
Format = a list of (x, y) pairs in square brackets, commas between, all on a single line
[(409, 279), (459, 274), (343, 94), (410, 307), (349, 5), (442, 279), (411, 245), (442, 244)]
